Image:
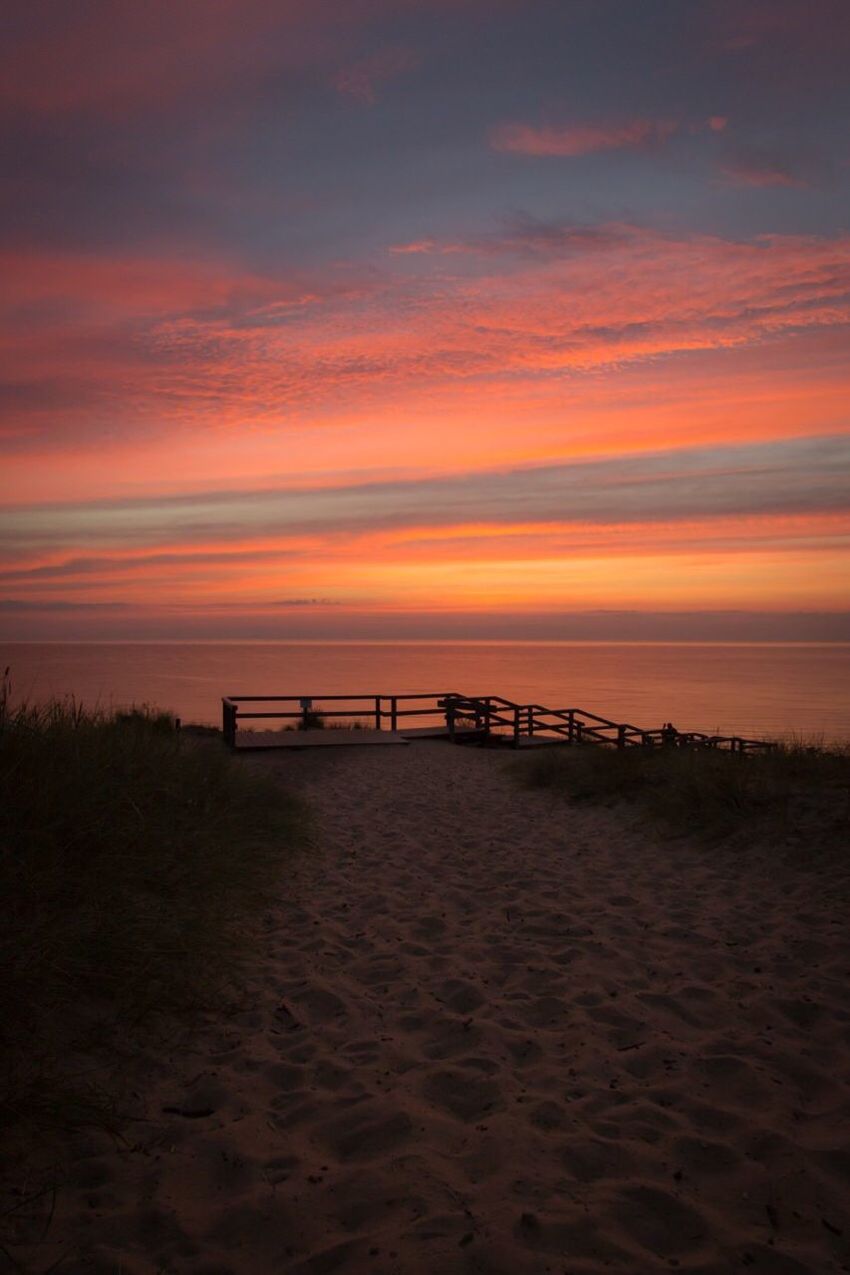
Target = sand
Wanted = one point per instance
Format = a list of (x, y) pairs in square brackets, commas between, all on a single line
[(492, 1032)]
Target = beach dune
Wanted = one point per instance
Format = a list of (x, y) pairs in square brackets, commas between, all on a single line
[(489, 1031)]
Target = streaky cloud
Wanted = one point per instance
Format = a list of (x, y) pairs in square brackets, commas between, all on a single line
[(570, 140), (790, 476)]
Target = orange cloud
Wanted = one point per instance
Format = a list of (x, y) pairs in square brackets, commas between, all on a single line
[(646, 298), (424, 246), (580, 139), (791, 560), (188, 346)]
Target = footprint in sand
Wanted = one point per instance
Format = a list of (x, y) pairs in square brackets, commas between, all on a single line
[(328, 1075), (453, 1036), (319, 1003), (592, 1159), (284, 1076), (374, 1199), (548, 1013), (736, 1081), (659, 1222), (548, 1115), (698, 1157), (579, 1237), (280, 1168), (523, 1050), (459, 996), (368, 1130), (291, 1110), (377, 971), (463, 1095)]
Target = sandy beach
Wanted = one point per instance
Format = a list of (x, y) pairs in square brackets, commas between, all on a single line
[(492, 1032)]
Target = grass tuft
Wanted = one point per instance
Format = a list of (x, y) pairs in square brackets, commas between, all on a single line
[(133, 865), (795, 790)]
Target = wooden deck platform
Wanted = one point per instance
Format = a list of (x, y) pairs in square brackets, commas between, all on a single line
[(425, 732), (246, 740)]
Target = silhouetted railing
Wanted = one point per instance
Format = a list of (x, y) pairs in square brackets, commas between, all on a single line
[(472, 717), (375, 709), (580, 726)]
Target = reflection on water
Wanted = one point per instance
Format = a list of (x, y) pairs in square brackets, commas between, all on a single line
[(755, 689)]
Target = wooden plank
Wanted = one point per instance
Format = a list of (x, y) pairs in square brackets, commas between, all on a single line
[(247, 740)]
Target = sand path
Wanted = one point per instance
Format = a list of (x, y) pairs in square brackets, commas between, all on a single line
[(491, 1032)]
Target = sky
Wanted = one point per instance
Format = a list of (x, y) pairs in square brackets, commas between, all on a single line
[(425, 318)]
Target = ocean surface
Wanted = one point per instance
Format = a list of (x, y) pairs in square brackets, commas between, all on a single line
[(759, 689)]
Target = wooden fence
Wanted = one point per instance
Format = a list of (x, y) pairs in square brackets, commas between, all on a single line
[(468, 718), (376, 710)]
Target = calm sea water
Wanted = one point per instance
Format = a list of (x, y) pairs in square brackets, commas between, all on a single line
[(752, 689)]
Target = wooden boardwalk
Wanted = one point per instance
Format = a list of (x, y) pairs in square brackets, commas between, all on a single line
[(249, 739), (333, 721)]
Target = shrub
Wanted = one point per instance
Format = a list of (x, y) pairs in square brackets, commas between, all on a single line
[(146, 718), (792, 790), (133, 864)]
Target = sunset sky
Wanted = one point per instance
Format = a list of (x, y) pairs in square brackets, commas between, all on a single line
[(425, 318)]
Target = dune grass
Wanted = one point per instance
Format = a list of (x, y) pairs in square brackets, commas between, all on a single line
[(134, 864), (793, 791)]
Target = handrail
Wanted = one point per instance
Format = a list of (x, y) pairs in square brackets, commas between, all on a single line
[(578, 728), (291, 699), (572, 725), (358, 705)]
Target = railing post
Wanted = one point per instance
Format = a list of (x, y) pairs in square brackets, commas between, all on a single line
[(450, 717), (578, 732), (394, 713), (621, 736), (517, 711), (228, 722), (530, 720), (378, 712), (571, 725)]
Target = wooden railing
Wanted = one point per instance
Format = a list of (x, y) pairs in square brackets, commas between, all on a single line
[(473, 717), (580, 726), (375, 709)]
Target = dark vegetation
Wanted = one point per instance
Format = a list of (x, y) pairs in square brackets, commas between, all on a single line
[(312, 719), (793, 792), (134, 866)]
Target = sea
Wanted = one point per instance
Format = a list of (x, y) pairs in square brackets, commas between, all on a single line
[(762, 690)]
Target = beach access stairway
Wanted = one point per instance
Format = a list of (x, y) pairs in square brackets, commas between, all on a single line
[(329, 720)]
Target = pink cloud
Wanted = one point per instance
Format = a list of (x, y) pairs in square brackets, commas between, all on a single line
[(580, 139), (744, 25), (423, 247), (208, 350), (759, 169), (717, 123), (362, 79), (126, 56), (523, 235)]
